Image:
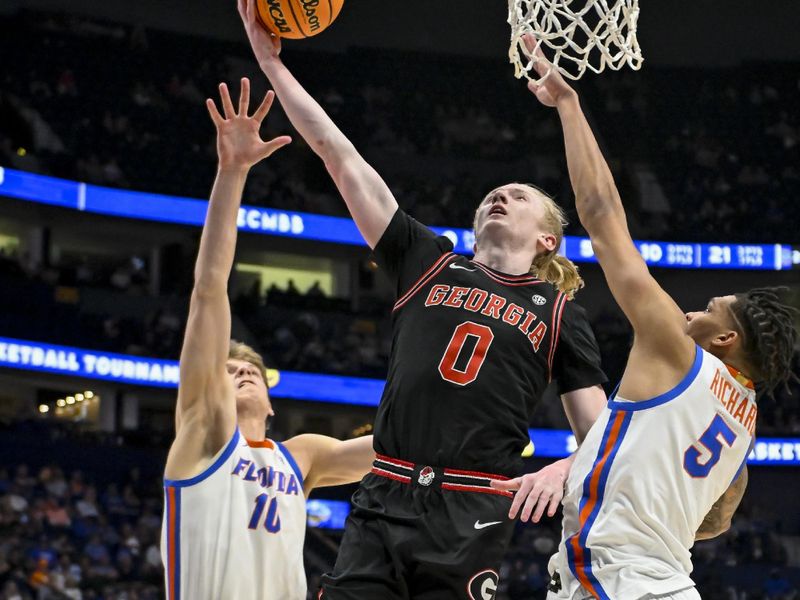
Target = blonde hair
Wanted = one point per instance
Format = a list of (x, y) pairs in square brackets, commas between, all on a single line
[(241, 351), (550, 266)]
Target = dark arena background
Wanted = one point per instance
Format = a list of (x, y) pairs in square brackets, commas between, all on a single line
[(107, 157)]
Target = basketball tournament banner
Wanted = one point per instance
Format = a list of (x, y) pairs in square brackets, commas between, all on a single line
[(137, 370)]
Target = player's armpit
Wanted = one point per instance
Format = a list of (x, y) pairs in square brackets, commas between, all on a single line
[(326, 461), (718, 519)]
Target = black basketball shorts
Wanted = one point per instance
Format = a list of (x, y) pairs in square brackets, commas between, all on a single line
[(421, 532)]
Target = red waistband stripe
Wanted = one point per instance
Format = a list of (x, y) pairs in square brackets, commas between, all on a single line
[(474, 474), (390, 475), (402, 464), (457, 487), (448, 479)]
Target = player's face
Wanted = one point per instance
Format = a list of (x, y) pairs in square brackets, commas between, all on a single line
[(716, 320), (512, 212), (250, 388)]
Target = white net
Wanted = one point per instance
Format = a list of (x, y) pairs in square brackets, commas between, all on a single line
[(575, 35)]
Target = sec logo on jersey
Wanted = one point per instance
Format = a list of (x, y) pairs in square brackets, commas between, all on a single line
[(538, 300), (483, 585)]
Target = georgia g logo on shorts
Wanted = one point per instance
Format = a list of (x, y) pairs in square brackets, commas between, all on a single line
[(426, 476), (483, 585)]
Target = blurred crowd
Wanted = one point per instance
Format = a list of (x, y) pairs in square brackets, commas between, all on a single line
[(123, 106), (94, 533), (64, 536)]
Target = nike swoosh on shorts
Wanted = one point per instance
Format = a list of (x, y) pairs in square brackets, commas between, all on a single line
[(479, 525)]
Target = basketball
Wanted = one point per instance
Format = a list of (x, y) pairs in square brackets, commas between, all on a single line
[(297, 19)]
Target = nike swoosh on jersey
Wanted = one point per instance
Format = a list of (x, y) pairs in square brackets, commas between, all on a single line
[(479, 525), (455, 266)]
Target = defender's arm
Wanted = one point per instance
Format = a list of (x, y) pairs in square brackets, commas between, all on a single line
[(718, 519), (657, 321), (206, 412), (327, 461)]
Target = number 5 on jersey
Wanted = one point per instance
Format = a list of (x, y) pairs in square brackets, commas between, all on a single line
[(467, 331), (712, 440)]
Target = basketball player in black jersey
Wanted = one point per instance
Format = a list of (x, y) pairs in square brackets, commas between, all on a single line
[(475, 344)]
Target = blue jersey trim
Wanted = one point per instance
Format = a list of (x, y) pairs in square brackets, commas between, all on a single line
[(226, 453), (601, 493), (604, 478), (290, 459), (583, 532), (666, 396), (178, 543)]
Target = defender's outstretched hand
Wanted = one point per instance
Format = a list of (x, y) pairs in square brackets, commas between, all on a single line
[(239, 142), (538, 491), (554, 88), (266, 46)]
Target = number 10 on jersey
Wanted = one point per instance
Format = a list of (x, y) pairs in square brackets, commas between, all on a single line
[(272, 522)]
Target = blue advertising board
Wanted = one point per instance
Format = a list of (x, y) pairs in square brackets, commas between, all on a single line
[(338, 230), (357, 391)]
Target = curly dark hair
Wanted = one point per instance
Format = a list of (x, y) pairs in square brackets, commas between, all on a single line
[(768, 333)]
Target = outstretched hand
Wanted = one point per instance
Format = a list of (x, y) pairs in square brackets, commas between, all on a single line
[(266, 46), (239, 142), (553, 88), (538, 491)]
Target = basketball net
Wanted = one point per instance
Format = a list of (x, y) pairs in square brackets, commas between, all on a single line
[(575, 35)]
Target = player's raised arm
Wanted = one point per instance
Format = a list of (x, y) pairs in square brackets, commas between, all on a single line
[(206, 410), (367, 196), (657, 321)]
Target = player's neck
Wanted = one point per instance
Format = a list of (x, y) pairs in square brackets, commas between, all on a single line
[(252, 429), (734, 360), (504, 260), (742, 371)]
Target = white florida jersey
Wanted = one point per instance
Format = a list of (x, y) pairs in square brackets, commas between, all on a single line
[(644, 479), (237, 530)]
